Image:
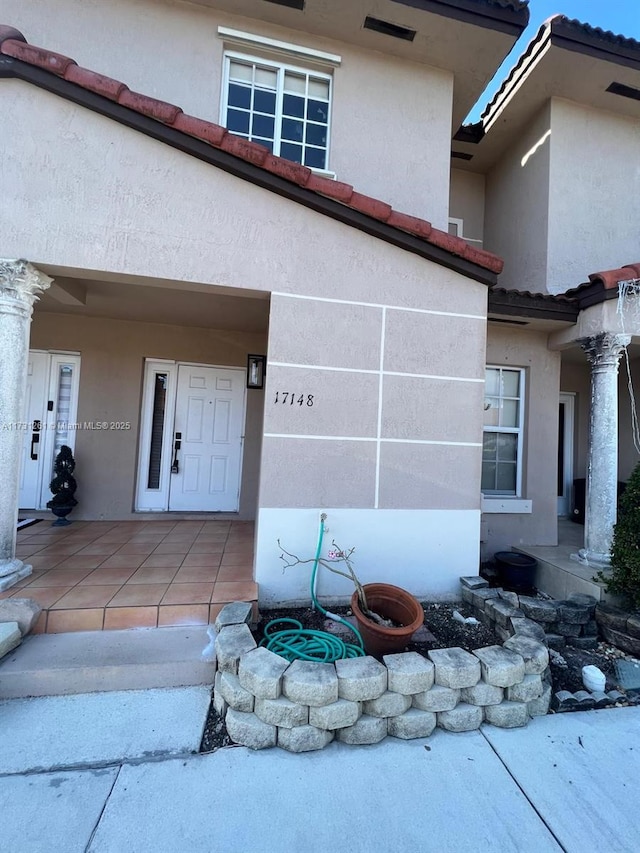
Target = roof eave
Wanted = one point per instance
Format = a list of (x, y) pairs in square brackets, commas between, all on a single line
[(513, 303), (506, 17), (15, 68)]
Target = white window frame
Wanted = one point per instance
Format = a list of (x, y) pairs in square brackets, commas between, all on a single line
[(280, 67), (519, 431), (458, 224)]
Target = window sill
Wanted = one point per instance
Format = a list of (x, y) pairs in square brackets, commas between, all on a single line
[(324, 173), (512, 506)]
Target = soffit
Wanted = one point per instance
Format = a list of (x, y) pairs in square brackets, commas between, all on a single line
[(470, 45), (167, 303), (554, 66)]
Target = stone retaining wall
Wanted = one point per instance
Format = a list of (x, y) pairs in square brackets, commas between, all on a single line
[(556, 623), (301, 706)]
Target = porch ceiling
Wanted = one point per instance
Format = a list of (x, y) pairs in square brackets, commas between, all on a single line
[(162, 302)]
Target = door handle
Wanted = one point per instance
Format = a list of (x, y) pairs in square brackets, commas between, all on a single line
[(175, 465), (35, 439)]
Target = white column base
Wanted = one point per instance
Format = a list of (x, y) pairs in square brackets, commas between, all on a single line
[(592, 558), (12, 572)]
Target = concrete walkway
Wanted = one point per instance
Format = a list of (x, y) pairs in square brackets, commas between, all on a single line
[(565, 783)]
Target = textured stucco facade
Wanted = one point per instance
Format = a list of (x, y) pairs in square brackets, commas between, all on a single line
[(389, 346), (399, 112), (529, 350)]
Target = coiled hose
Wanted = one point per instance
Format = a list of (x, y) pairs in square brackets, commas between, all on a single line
[(297, 643)]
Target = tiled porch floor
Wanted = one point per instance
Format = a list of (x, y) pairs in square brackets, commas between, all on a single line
[(95, 575)]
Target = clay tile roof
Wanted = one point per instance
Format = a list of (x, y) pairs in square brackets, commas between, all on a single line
[(610, 278), (14, 44)]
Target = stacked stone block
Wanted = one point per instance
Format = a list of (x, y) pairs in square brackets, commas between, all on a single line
[(556, 623), (303, 706)]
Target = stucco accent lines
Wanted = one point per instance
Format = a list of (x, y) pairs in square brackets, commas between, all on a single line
[(481, 317), (380, 399)]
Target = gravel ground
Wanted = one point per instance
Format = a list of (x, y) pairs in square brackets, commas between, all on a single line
[(441, 631)]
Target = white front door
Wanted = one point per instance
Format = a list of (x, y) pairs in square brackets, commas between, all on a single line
[(207, 439), (49, 421), (35, 413)]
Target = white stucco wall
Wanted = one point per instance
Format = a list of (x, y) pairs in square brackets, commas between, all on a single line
[(517, 208), (91, 195), (466, 202), (528, 349), (594, 205), (391, 119)]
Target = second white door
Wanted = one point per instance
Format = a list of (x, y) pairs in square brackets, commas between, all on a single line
[(207, 440)]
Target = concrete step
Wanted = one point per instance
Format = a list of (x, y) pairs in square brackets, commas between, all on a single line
[(99, 661), (558, 575)]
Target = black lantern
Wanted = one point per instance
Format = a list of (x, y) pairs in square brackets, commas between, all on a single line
[(256, 369)]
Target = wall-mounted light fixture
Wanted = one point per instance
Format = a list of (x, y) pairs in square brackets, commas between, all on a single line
[(256, 369)]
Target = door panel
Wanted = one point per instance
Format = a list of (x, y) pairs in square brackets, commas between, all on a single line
[(35, 416), (209, 420)]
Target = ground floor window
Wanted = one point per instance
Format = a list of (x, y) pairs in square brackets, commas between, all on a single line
[(503, 426)]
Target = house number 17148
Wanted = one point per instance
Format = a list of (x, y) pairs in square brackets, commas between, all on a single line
[(291, 399)]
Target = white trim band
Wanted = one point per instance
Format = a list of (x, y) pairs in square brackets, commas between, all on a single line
[(371, 372), (274, 45), (371, 439), (379, 305)]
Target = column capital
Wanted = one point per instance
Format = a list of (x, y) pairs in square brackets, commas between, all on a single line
[(20, 285), (604, 350)]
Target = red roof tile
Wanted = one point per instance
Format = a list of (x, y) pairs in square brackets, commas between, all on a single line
[(13, 43), (610, 278)]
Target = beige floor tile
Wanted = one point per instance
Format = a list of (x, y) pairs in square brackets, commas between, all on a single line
[(46, 596), (45, 563), (183, 614), (235, 573), (63, 621), (60, 577), (206, 548), (153, 575), (196, 574), (116, 618), (107, 576), (162, 561), (99, 548), (238, 591), (178, 548), (141, 548), (122, 561), (188, 593), (86, 561), (212, 560), (238, 559), (82, 597), (138, 595)]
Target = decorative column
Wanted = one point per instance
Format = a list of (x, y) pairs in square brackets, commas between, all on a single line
[(603, 351), (20, 286)]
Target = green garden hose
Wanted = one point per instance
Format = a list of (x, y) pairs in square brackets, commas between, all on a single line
[(297, 643)]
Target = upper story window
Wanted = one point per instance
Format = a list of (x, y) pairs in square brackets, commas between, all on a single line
[(503, 431), (281, 106)]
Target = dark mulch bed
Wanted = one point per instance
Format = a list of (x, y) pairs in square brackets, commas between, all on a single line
[(441, 631)]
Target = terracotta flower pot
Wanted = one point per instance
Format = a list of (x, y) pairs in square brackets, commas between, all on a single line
[(393, 603)]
